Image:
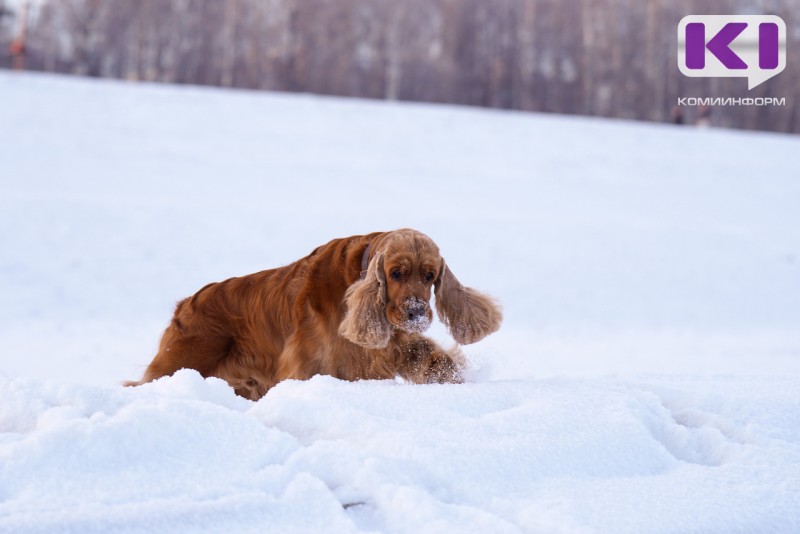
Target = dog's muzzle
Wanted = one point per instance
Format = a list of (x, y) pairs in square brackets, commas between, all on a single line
[(417, 315)]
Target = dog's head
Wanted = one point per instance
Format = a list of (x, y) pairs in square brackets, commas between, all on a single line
[(405, 267)]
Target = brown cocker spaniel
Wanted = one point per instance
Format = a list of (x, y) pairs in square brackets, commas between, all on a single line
[(354, 308)]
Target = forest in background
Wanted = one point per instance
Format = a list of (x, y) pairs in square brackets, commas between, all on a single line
[(608, 58)]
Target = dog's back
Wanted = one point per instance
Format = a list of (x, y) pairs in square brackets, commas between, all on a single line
[(238, 328)]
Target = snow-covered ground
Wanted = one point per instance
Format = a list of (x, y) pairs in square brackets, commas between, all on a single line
[(646, 378)]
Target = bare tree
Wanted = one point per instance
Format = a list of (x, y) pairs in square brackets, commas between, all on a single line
[(6, 15)]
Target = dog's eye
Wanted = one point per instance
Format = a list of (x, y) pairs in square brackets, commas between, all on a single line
[(429, 277), (396, 274)]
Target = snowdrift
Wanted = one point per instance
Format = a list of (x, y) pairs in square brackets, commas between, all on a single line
[(186, 455)]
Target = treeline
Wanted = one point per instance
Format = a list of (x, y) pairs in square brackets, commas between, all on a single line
[(611, 58)]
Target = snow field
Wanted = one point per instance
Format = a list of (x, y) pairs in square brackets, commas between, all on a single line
[(646, 377)]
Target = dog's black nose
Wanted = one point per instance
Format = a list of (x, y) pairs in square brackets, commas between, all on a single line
[(414, 312)]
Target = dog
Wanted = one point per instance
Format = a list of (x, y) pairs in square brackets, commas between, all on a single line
[(355, 308)]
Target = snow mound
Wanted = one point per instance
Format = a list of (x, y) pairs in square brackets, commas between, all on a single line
[(185, 454)]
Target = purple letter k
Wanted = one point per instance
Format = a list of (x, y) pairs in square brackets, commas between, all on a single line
[(719, 45)]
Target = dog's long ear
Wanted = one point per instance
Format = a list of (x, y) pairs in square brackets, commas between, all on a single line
[(365, 320), (469, 314)]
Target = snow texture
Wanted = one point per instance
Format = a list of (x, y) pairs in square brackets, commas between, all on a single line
[(646, 377), (419, 320)]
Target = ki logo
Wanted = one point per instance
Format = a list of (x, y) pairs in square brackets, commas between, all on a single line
[(746, 46)]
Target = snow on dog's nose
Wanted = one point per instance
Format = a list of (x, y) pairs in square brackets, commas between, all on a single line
[(418, 316)]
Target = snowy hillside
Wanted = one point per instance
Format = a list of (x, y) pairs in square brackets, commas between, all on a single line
[(646, 378)]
